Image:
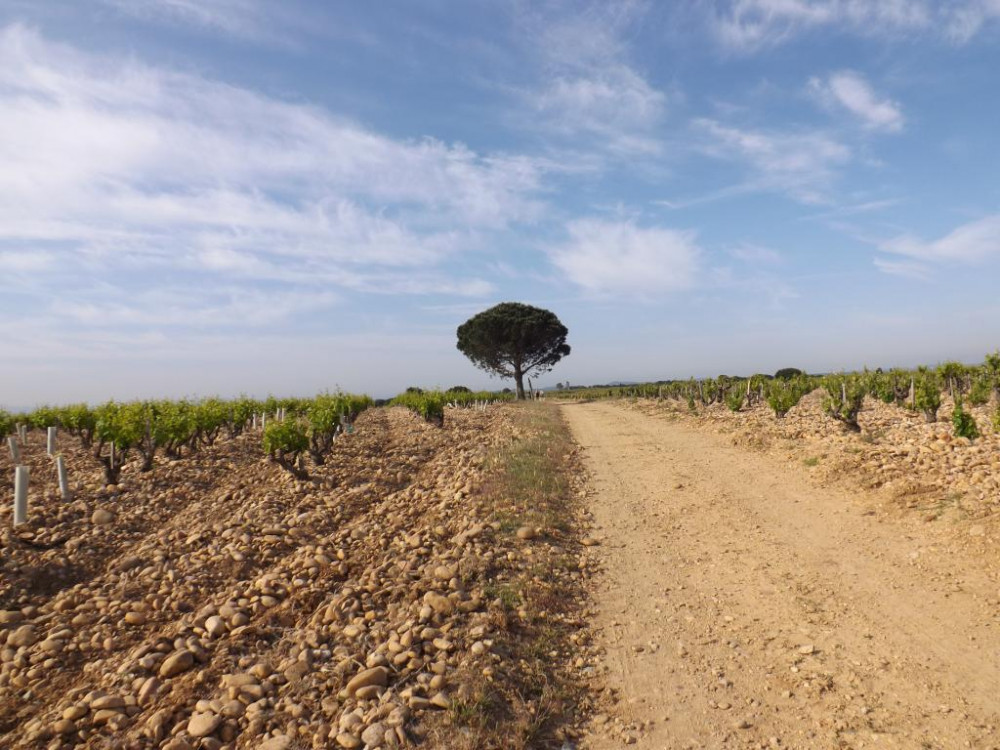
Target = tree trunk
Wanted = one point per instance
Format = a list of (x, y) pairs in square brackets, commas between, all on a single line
[(519, 380)]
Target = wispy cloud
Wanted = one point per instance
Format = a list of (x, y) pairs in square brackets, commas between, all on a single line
[(973, 242), (587, 87), (851, 91), (110, 164), (966, 20), (251, 20), (614, 104), (621, 258), (749, 25), (905, 268), (852, 209), (746, 25), (801, 164)]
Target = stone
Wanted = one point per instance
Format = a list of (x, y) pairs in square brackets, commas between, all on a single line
[(23, 636), (203, 724), (176, 663), (443, 573), (442, 605), (105, 715), (107, 701), (526, 533), (148, 690), (102, 517), (10, 616), (441, 700), (64, 726), (374, 735), (135, 618), (74, 712), (215, 626), (279, 742), (349, 741), (377, 676)]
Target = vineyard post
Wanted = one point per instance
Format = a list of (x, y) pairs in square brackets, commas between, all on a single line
[(112, 459), (21, 476), (913, 391), (50, 440), (22, 433), (63, 479), (253, 422), (15, 449), (263, 420)]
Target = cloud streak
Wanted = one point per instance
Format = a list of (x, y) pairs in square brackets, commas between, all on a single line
[(114, 166), (801, 164), (850, 90), (974, 242)]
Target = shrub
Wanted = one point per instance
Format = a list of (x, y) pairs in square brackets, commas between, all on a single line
[(285, 443), (926, 395), (782, 395), (428, 404), (845, 397), (964, 423), (735, 397)]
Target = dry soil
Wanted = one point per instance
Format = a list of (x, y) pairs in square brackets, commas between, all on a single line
[(742, 605)]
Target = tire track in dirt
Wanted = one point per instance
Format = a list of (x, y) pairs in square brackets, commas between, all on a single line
[(742, 606)]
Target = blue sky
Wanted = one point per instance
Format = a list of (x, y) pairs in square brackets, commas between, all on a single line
[(246, 196)]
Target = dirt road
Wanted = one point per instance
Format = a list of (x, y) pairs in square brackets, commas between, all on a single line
[(743, 606)]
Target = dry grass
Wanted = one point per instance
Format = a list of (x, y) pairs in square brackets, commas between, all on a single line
[(529, 698)]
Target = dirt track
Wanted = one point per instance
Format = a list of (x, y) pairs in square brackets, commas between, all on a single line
[(741, 605)]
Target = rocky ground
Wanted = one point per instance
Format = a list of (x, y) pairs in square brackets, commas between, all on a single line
[(219, 603)]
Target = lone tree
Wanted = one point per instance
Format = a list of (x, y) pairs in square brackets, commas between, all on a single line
[(512, 340)]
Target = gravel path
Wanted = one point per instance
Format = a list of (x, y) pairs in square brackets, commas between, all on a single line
[(741, 605)]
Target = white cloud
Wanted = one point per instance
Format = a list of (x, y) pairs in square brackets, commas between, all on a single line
[(249, 19), (850, 90), (587, 86), (618, 257), (112, 164), (973, 242), (751, 24), (966, 20), (802, 164), (614, 103)]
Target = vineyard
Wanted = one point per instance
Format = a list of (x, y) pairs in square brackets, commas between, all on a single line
[(289, 573), (928, 437), (335, 572)]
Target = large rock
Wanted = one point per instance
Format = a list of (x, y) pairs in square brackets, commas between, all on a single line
[(176, 663), (375, 676), (203, 724)]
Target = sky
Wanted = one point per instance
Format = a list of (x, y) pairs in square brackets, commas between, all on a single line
[(241, 196)]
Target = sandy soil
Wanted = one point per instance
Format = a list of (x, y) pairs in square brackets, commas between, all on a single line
[(743, 605)]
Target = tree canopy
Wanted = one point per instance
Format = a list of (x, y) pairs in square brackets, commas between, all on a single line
[(513, 339)]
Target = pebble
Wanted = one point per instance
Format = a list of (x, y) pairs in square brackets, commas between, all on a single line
[(203, 724), (374, 677), (102, 517), (176, 663)]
